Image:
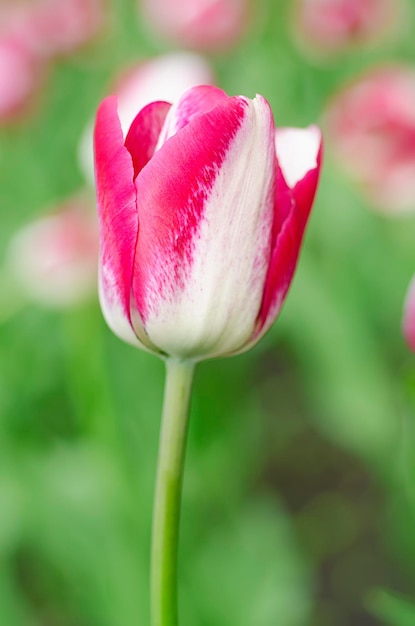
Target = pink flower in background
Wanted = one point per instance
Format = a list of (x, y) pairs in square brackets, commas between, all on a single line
[(52, 27), (201, 25), (161, 78), (54, 258), (408, 321), (21, 76), (63, 26), (202, 210), (370, 126), (328, 26), (31, 33)]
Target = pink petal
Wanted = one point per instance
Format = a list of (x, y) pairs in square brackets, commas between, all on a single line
[(171, 191), (292, 208), (118, 218), (141, 140)]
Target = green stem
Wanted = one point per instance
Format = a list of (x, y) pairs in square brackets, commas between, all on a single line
[(166, 514)]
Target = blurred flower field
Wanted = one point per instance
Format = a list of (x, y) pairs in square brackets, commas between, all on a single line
[(299, 490)]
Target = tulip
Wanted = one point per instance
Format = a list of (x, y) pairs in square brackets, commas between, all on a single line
[(408, 321), (202, 25), (370, 128), (202, 209)]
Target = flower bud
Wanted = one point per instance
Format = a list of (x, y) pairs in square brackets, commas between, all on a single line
[(202, 209)]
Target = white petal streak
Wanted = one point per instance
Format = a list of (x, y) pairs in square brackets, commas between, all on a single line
[(297, 150), (217, 309)]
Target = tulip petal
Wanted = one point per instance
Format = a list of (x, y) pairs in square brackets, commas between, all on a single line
[(118, 219), (297, 180), (205, 230), (141, 140)]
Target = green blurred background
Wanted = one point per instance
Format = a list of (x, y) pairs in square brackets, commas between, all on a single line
[(299, 493)]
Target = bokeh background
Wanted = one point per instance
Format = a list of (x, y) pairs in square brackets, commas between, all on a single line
[(299, 493)]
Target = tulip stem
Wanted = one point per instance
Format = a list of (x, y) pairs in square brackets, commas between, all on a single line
[(166, 513)]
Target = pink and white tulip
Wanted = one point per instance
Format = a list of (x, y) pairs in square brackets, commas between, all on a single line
[(333, 26), (370, 127), (408, 321), (202, 25), (54, 258), (202, 208)]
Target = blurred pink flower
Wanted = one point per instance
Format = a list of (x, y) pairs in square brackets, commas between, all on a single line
[(160, 78), (52, 27), (408, 321), (370, 128), (33, 31), (201, 25), (54, 258), (21, 75), (328, 26), (62, 26)]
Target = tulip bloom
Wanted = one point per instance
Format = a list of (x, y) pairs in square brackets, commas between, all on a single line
[(202, 211), (408, 322)]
